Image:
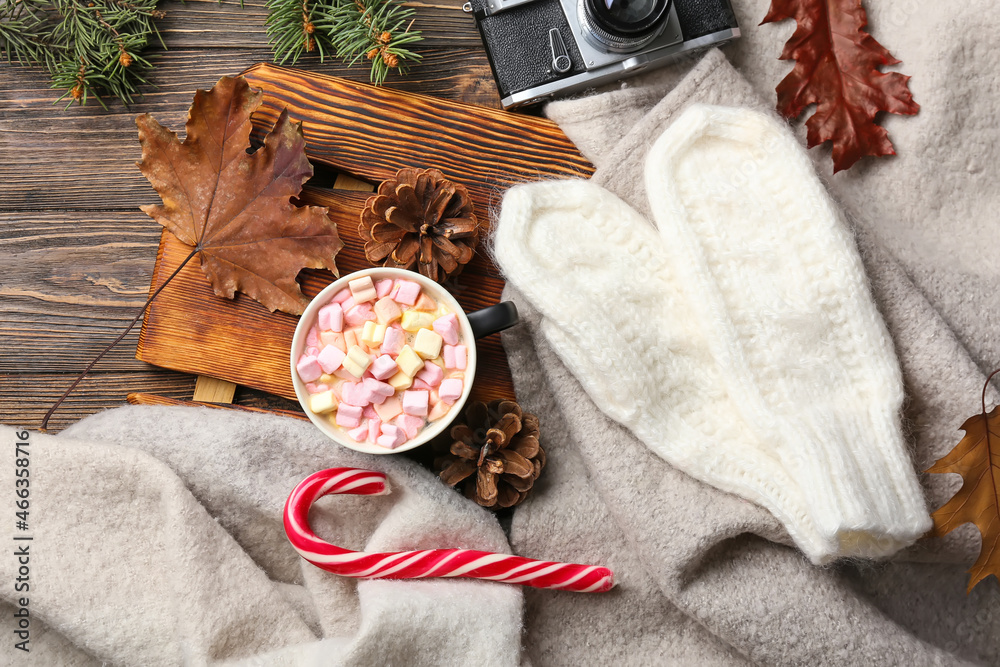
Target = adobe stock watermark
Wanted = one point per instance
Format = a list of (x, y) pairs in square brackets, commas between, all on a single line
[(22, 540)]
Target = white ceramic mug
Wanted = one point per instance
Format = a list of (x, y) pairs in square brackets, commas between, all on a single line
[(473, 325)]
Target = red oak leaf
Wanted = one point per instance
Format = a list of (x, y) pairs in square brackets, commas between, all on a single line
[(836, 68)]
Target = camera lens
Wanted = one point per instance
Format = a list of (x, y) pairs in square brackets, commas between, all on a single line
[(624, 25)]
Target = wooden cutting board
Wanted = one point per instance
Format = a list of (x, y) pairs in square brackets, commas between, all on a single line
[(369, 133)]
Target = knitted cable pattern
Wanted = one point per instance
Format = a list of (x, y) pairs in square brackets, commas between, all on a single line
[(739, 341)]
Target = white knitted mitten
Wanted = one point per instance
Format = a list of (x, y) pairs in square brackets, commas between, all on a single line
[(743, 347)]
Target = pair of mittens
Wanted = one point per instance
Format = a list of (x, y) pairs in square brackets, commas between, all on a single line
[(737, 338)]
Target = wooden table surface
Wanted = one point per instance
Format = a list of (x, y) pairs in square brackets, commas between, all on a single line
[(76, 253)]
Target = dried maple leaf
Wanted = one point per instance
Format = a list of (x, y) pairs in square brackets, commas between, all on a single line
[(234, 208), (836, 65), (977, 459)]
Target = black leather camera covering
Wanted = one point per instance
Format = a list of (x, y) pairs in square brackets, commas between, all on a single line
[(703, 17), (517, 43)]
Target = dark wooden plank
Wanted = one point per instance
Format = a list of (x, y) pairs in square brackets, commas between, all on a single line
[(372, 132), (25, 399), (69, 284), (84, 158), (195, 23)]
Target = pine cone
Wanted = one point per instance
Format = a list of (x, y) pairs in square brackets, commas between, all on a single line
[(500, 445), (420, 221)]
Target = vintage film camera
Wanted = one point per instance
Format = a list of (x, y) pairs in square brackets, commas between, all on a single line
[(543, 48)]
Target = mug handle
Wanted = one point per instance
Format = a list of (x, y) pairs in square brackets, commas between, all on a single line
[(493, 319)]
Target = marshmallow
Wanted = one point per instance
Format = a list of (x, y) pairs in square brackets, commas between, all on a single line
[(372, 334), (455, 357), (348, 416), (415, 403), (330, 358), (383, 287), (357, 361), (387, 310), (391, 408), (383, 368), (450, 390), (341, 296), (378, 391), (425, 303), (411, 425), (352, 393), (413, 320), (374, 429), (431, 374), (363, 289), (420, 384), (427, 344), (409, 361), (322, 402), (331, 317), (393, 341), (439, 409), (312, 338), (351, 338), (332, 338), (359, 434), (315, 388), (392, 436), (359, 314), (368, 412), (309, 369), (405, 292), (447, 328), (400, 381), (312, 351)]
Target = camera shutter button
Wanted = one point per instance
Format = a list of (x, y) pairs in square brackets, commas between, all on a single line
[(560, 56)]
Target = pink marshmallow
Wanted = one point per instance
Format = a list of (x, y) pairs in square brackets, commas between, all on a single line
[(314, 388), (349, 416), (308, 368), (353, 393), (383, 287), (392, 436), (393, 341), (425, 303), (376, 392), (312, 351), (405, 292), (374, 429), (455, 356), (347, 303), (420, 384), (451, 390), (415, 402), (386, 411), (344, 374), (331, 317), (341, 296), (359, 434), (330, 358), (383, 368), (410, 424), (431, 375), (447, 328), (359, 314), (312, 338), (368, 412)]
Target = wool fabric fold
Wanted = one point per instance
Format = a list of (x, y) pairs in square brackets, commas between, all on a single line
[(737, 337)]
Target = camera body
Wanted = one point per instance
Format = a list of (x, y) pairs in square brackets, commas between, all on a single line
[(543, 48)]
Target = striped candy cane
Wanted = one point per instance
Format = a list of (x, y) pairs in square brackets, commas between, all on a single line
[(420, 564)]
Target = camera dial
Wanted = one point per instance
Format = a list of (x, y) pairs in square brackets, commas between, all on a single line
[(623, 25)]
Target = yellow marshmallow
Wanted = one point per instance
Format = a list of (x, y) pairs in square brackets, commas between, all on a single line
[(357, 361), (400, 381), (427, 343), (409, 362), (414, 320), (322, 402), (373, 334)]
